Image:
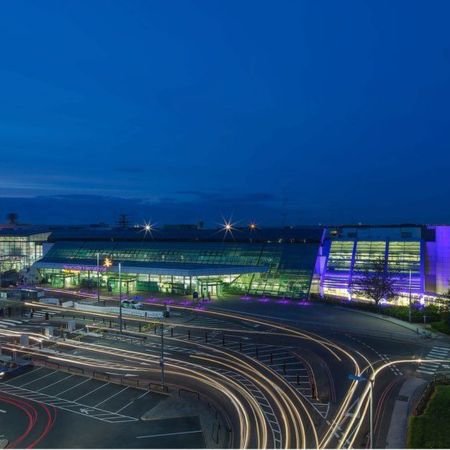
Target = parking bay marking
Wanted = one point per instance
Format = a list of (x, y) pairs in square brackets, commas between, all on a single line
[(27, 373), (90, 392), (112, 396), (68, 405), (168, 434), (56, 382), (76, 385)]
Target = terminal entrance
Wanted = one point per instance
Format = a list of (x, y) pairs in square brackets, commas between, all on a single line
[(210, 288)]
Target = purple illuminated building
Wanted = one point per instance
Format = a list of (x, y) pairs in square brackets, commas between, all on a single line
[(416, 256)]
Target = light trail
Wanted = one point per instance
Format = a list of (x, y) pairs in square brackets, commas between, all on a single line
[(329, 346), (178, 369), (366, 394), (341, 414)]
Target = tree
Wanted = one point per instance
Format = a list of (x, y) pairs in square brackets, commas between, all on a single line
[(123, 221), (12, 218), (375, 283)]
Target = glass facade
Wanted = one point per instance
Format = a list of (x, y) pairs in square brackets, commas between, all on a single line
[(349, 257), (20, 251), (261, 268)]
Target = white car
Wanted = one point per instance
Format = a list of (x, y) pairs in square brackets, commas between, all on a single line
[(133, 304)]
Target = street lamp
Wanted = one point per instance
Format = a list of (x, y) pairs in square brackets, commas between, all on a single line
[(409, 312), (161, 362), (120, 298), (98, 277)]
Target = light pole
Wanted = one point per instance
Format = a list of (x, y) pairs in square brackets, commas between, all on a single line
[(161, 362), (371, 383), (98, 277), (120, 298), (409, 312)]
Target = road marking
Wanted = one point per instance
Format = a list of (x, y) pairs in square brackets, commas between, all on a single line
[(89, 393), (36, 379), (112, 396), (288, 364), (143, 395), (168, 434), (72, 387), (25, 374), (3, 411), (56, 382), (124, 407), (425, 371)]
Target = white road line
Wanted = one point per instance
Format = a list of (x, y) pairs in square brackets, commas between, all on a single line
[(36, 379), (112, 396), (24, 374), (442, 348), (168, 434), (3, 411), (56, 382), (90, 392), (289, 364), (143, 395), (72, 387), (125, 407), (425, 371)]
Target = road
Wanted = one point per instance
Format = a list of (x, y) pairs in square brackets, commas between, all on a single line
[(277, 370)]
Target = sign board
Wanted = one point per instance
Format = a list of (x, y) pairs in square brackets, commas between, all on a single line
[(24, 341), (49, 301), (356, 377)]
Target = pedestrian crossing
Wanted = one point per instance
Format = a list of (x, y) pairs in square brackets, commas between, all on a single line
[(432, 362)]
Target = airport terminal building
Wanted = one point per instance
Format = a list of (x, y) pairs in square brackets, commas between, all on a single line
[(273, 262), (291, 262)]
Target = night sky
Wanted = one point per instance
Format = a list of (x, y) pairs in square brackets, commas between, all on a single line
[(298, 112)]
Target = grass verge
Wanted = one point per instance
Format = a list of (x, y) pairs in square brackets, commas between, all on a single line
[(442, 326), (430, 430)]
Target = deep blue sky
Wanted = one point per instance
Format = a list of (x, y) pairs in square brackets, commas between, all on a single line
[(296, 112)]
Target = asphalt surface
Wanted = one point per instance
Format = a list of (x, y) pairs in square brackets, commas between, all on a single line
[(308, 368), (89, 413)]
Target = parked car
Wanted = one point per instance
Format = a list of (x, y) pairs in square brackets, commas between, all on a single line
[(133, 304)]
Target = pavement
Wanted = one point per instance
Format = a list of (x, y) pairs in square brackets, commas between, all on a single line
[(396, 437), (418, 328)]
